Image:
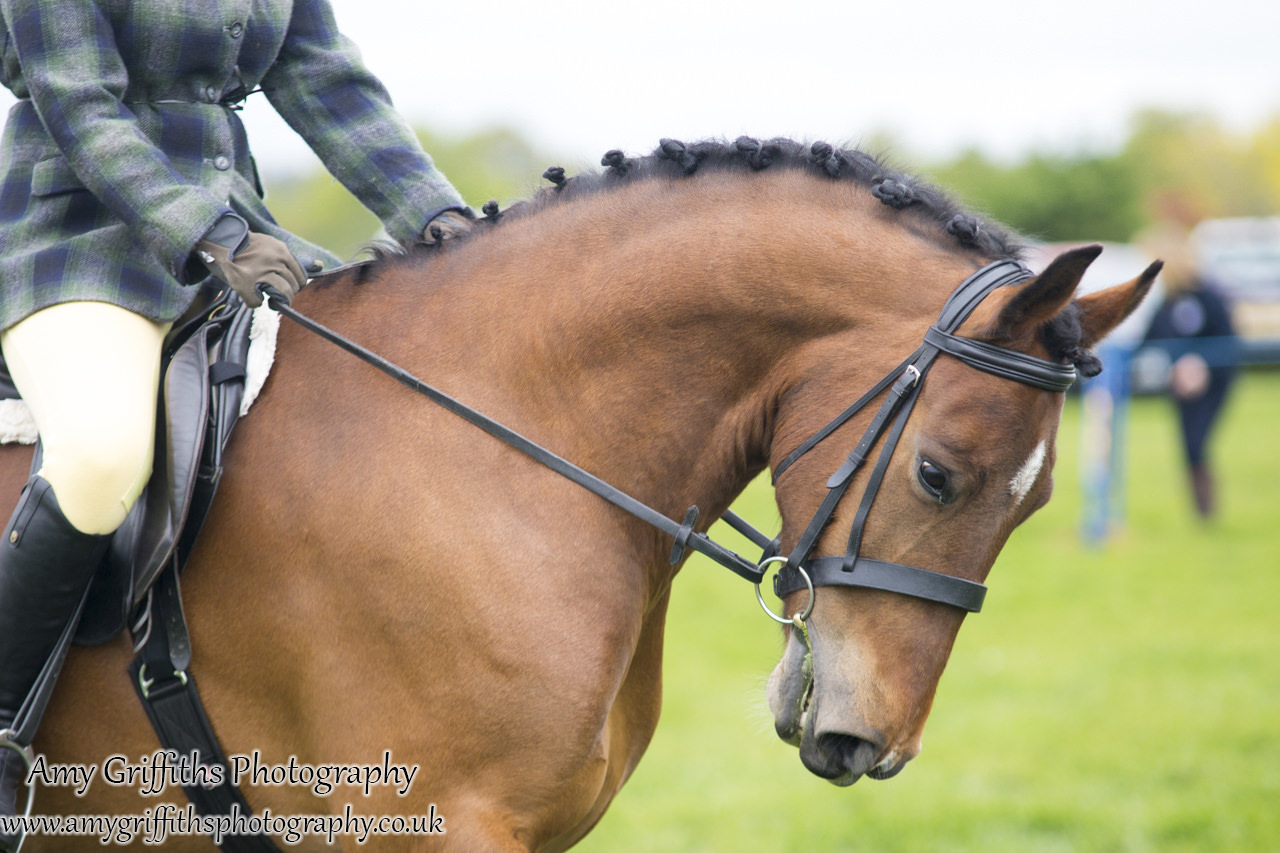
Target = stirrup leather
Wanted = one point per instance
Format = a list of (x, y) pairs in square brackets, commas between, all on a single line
[(8, 741)]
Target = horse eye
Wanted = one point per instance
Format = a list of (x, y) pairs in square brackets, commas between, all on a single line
[(933, 478)]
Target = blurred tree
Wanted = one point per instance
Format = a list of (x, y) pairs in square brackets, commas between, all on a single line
[(1184, 165), (1192, 155), (1266, 148), (1050, 197), (1183, 160)]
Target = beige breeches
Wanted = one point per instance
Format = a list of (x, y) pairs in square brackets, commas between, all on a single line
[(90, 372)]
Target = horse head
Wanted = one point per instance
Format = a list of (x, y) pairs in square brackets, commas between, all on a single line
[(972, 461)]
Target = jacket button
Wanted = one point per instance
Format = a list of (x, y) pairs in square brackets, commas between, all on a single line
[(236, 30), (221, 163)]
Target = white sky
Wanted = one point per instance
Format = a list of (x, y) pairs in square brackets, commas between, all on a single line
[(578, 78)]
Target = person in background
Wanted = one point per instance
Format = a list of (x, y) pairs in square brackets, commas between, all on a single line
[(1193, 327), (126, 187)]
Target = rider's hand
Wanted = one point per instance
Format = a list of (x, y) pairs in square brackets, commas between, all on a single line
[(243, 259), (447, 225)]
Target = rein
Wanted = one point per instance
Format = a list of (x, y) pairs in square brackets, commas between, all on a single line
[(684, 534), (799, 570)]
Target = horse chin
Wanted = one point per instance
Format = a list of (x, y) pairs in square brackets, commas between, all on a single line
[(888, 768)]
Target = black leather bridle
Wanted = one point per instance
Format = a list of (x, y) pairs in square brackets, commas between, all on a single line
[(800, 570)]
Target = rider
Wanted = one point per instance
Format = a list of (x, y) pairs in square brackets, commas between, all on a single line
[(125, 182)]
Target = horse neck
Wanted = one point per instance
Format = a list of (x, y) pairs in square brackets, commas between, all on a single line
[(650, 339)]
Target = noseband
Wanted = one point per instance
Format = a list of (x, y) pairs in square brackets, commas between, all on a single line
[(801, 571)]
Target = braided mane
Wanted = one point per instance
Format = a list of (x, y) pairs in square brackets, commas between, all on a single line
[(673, 158)]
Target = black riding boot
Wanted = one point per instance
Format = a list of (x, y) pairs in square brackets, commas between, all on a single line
[(45, 566)]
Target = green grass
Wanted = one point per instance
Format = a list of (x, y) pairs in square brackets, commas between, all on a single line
[(1119, 698)]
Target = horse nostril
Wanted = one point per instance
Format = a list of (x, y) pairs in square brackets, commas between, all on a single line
[(853, 754)]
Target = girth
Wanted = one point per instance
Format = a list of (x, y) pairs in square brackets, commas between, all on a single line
[(904, 382)]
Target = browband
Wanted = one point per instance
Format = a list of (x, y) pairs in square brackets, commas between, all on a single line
[(1005, 363)]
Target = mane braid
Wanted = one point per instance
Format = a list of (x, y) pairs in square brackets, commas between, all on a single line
[(673, 158), (1063, 335)]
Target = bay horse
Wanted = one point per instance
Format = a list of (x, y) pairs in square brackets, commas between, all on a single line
[(379, 576)]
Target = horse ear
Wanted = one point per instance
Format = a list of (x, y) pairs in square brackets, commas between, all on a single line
[(1102, 311), (1036, 302)]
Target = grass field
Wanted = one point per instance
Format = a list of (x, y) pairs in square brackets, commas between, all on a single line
[(1117, 698)]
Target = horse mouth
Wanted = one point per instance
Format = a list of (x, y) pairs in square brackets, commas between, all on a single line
[(790, 692), (841, 759), (791, 729)]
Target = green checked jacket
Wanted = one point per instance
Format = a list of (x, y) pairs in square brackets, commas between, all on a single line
[(124, 147)]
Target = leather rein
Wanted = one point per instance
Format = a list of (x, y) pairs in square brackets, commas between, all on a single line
[(799, 569)]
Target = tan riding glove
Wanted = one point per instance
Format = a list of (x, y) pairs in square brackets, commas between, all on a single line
[(243, 259), (448, 224)]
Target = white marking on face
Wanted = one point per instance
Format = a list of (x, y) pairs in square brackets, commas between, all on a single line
[(1027, 475)]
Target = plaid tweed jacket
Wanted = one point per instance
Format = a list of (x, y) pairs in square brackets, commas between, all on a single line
[(124, 147)]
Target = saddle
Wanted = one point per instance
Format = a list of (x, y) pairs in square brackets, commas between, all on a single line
[(203, 368), (201, 387)]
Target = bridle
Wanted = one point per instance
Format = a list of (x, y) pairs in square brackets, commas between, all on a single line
[(799, 570)]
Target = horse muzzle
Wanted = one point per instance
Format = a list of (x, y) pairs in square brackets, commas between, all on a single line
[(843, 758), (836, 749)]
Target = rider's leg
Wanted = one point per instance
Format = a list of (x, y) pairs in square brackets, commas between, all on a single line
[(89, 372)]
